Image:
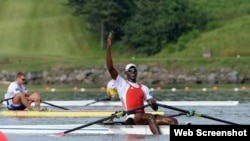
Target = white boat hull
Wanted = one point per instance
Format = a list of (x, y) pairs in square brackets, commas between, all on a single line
[(94, 129), (118, 103)]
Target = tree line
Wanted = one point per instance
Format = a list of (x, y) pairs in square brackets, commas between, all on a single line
[(144, 26)]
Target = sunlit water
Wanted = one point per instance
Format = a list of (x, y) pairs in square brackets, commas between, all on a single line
[(237, 114)]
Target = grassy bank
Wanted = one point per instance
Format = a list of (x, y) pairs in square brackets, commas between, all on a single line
[(43, 34)]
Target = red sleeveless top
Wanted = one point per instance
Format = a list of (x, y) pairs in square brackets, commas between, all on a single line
[(135, 98)]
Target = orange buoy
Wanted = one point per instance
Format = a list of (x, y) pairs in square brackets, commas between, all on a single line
[(47, 88), (75, 88), (186, 88), (215, 88), (103, 88), (243, 88), (158, 88)]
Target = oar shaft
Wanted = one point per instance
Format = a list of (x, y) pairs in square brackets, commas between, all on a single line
[(91, 123), (137, 108), (97, 100), (89, 103), (41, 101), (212, 118), (119, 114), (180, 114), (55, 105), (173, 108), (2, 100), (192, 113)]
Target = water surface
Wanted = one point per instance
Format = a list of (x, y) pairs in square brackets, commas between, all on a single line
[(238, 114)]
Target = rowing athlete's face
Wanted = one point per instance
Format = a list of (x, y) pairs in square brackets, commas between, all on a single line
[(21, 79), (131, 74)]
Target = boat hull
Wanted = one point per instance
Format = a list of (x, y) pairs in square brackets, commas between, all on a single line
[(94, 129)]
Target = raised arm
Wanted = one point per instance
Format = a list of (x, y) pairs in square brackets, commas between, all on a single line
[(113, 72)]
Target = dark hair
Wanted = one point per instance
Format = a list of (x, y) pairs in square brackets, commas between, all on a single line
[(20, 74)]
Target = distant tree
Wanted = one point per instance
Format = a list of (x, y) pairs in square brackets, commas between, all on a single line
[(143, 25), (157, 23), (104, 16)]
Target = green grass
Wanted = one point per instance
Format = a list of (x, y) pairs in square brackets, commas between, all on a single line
[(228, 43), (225, 10), (42, 28), (229, 46), (43, 34)]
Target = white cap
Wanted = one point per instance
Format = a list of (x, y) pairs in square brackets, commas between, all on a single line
[(129, 66)]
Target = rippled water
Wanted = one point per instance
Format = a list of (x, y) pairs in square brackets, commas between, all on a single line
[(238, 114)]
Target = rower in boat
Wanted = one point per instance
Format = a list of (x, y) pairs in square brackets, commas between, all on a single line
[(18, 97), (133, 94)]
